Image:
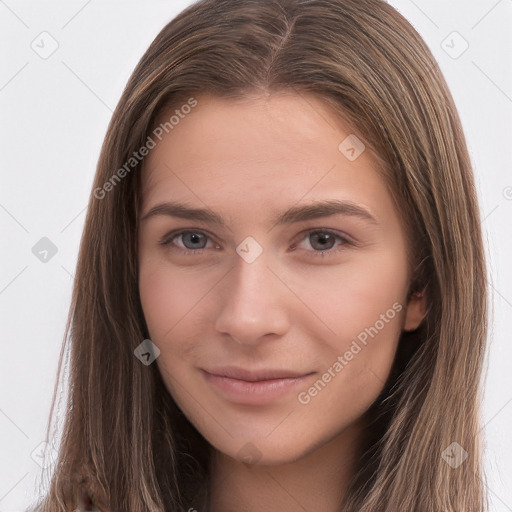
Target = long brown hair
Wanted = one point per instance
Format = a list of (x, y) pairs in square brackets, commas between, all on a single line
[(125, 445)]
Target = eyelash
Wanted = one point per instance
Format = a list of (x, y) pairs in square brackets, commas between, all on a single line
[(167, 240)]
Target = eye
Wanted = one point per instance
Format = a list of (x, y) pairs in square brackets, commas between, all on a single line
[(191, 241), (323, 242)]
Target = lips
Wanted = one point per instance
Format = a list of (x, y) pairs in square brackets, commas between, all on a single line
[(254, 387), (256, 375)]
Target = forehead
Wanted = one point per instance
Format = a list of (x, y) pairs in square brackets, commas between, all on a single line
[(255, 149)]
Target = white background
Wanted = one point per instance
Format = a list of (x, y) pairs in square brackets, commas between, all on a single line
[(54, 114)]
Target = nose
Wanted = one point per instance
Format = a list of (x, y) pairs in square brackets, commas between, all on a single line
[(253, 302)]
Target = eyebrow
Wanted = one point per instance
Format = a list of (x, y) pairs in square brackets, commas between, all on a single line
[(290, 216)]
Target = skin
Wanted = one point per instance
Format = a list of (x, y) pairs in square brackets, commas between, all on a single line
[(250, 160)]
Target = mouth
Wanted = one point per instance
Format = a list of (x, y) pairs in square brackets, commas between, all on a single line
[(243, 386)]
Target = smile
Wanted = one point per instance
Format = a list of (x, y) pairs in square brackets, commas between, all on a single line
[(243, 387)]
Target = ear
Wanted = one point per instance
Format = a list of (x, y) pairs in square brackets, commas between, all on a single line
[(416, 311)]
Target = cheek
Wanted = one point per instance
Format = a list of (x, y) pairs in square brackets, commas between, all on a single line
[(161, 308), (375, 299), (177, 308), (365, 322), (168, 298), (353, 297)]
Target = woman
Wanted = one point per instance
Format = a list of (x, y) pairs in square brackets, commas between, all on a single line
[(280, 297)]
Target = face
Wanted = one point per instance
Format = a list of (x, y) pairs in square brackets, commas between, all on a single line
[(273, 274)]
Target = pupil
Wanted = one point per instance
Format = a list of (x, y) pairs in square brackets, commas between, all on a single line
[(194, 238), (323, 239)]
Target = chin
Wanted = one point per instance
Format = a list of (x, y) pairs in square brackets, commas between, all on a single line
[(266, 452)]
